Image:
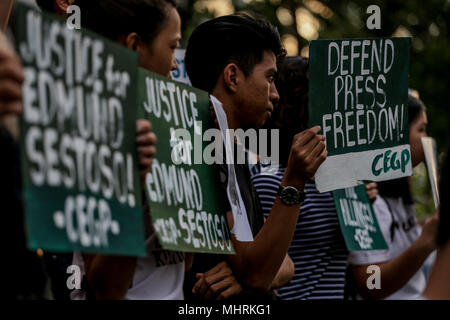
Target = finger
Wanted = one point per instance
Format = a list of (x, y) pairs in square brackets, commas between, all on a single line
[(229, 292), (371, 186), (202, 285), (12, 70), (318, 148), (145, 163), (303, 137), (143, 126), (147, 151), (215, 289), (10, 90), (212, 280), (10, 107), (144, 139), (320, 159), (309, 147), (216, 269), (7, 53), (197, 284)]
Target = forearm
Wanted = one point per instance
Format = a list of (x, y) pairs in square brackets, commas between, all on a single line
[(285, 273), (5, 11), (438, 286), (109, 277), (258, 262), (188, 260), (394, 274)]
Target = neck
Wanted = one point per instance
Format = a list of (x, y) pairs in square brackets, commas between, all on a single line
[(229, 106)]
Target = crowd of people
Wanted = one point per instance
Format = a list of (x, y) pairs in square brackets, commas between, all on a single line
[(298, 251)]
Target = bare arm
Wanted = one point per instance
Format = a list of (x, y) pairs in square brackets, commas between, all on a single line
[(438, 287), (188, 260), (395, 273), (285, 273), (5, 11), (109, 276), (257, 262)]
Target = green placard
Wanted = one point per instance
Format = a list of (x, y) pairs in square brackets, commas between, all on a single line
[(78, 139), (358, 221), (186, 202), (358, 94)]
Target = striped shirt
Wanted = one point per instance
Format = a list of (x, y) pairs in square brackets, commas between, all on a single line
[(318, 249)]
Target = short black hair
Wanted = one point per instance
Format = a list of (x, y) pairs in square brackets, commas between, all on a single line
[(237, 38), (47, 5), (114, 18)]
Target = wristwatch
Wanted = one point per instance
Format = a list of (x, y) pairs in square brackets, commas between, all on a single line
[(290, 195)]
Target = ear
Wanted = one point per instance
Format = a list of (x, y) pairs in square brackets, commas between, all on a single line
[(62, 5), (231, 74), (132, 41)]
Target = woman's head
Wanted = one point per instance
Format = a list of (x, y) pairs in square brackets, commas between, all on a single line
[(417, 119), (150, 27), (417, 128), (291, 114)]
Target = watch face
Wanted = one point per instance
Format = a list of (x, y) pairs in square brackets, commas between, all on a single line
[(290, 195)]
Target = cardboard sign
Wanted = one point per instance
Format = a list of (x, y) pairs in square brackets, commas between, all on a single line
[(358, 221), (180, 74), (186, 202), (429, 149), (78, 139), (358, 94)]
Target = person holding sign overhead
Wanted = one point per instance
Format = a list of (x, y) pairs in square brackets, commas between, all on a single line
[(234, 58), (400, 266), (152, 29)]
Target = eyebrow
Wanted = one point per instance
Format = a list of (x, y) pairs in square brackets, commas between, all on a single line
[(272, 71)]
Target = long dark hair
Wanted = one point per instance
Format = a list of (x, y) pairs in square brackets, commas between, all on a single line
[(114, 18), (400, 188), (291, 115)]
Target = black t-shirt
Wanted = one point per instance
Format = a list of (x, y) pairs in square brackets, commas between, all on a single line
[(205, 262), (24, 271)]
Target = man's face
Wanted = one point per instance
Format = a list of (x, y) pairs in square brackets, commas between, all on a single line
[(257, 95)]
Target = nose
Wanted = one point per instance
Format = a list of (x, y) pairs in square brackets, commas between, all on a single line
[(174, 64), (274, 96)]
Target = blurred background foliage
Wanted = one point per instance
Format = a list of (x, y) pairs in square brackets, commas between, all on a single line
[(300, 21)]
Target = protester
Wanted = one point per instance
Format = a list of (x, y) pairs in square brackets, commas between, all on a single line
[(400, 265), (152, 29), (318, 248), (234, 58), (438, 286)]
